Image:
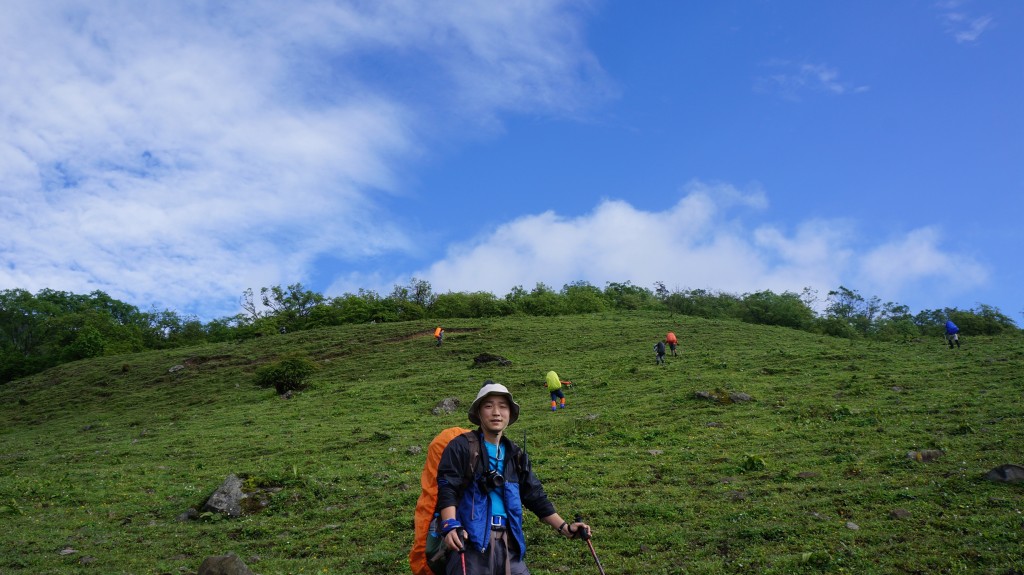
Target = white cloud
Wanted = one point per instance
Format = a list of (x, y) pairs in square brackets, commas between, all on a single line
[(918, 260), (692, 244), (962, 25), (176, 153), (792, 80), (702, 242)]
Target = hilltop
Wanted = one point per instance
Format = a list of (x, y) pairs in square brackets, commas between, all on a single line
[(100, 457)]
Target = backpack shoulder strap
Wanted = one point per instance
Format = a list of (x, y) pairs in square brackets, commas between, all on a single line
[(474, 454), (519, 454)]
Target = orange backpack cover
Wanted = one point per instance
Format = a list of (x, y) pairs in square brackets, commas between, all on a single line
[(427, 502)]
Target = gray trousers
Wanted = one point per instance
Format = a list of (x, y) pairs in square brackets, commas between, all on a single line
[(491, 562)]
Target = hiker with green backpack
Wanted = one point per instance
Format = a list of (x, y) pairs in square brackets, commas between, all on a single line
[(481, 512)]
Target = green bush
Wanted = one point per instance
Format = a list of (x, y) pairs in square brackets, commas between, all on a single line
[(288, 374)]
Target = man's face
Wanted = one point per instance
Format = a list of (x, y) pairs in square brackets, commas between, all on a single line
[(494, 412)]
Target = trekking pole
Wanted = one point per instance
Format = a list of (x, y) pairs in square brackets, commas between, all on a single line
[(586, 537), (462, 552)]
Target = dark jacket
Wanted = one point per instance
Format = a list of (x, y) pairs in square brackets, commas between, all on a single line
[(472, 505)]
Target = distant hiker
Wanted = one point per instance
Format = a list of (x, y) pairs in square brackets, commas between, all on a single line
[(672, 341), (491, 542), (952, 334), (659, 353), (555, 389), (438, 335)]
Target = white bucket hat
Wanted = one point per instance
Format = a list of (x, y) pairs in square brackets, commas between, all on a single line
[(491, 388)]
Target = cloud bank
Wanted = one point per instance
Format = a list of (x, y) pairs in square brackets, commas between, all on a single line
[(704, 241), (179, 152)]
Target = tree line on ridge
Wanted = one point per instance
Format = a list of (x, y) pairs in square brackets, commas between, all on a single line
[(50, 327)]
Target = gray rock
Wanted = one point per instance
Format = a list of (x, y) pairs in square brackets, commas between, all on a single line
[(446, 406), (1006, 473), (899, 513), (228, 564), (925, 455), (227, 499), (189, 515)]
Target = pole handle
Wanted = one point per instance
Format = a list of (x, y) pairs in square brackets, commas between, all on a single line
[(586, 532)]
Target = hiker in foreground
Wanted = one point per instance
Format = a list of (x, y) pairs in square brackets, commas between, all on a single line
[(491, 542)]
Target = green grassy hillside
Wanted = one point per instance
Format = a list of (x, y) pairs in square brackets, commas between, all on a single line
[(99, 458)]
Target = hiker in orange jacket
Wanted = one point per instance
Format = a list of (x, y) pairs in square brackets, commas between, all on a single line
[(438, 335)]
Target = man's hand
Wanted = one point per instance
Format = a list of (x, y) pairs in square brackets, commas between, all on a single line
[(455, 540), (579, 530)]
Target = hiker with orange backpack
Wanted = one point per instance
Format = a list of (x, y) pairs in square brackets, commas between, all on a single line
[(672, 341), (502, 484)]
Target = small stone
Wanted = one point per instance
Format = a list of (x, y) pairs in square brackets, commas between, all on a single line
[(925, 455), (899, 514)]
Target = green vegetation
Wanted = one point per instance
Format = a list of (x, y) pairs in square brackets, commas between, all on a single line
[(288, 374), (99, 457), (51, 327)]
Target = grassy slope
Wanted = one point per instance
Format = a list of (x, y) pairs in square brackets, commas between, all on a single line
[(101, 456)]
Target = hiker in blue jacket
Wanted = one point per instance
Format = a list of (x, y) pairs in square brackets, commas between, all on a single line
[(952, 334), (482, 515)]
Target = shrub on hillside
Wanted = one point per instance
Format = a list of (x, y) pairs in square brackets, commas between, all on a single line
[(286, 375)]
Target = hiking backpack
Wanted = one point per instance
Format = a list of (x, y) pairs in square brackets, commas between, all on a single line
[(427, 556)]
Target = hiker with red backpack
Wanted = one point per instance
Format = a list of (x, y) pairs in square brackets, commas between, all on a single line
[(481, 513)]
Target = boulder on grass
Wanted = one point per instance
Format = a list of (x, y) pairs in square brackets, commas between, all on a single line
[(1006, 473), (228, 498), (228, 564), (446, 406)]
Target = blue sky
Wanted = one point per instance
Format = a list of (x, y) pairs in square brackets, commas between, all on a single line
[(173, 154)]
